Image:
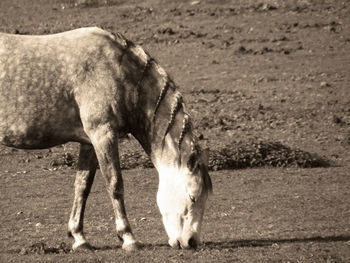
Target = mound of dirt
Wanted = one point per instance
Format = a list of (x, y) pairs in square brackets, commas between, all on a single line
[(236, 155), (134, 160), (241, 155)]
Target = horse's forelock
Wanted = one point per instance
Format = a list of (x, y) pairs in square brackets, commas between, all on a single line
[(195, 163)]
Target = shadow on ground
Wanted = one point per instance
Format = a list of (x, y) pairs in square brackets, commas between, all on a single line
[(270, 242), (42, 248)]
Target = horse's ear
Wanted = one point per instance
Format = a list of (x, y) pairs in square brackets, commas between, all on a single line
[(205, 156), (192, 161)]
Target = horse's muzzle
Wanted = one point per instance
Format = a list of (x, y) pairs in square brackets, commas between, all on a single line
[(191, 243)]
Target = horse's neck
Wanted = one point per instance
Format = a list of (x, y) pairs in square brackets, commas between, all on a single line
[(161, 132), (159, 120), (151, 130)]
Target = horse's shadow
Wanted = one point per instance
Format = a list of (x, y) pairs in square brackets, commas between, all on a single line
[(269, 242), (240, 243), (143, 246), (42, 248)]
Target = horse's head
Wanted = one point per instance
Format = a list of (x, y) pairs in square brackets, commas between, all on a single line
[(182, 194), (164, 129)]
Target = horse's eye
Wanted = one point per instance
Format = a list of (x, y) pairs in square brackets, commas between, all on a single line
[(192, 198)]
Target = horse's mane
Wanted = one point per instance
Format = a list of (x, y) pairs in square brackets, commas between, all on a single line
[(177, 99)]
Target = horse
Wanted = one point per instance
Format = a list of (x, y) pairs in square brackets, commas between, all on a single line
[(93, 87)]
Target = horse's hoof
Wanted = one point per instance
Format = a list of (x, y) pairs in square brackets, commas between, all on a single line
[(131, 246), (83, 247)]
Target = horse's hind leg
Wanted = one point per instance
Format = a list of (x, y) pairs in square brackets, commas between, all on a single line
[(87, 165)]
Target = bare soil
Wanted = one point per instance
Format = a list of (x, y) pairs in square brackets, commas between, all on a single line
[(251, 72)]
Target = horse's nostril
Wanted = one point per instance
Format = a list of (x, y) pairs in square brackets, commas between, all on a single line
[(192, 243), (178, 244)]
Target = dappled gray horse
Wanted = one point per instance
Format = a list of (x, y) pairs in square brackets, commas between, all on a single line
[(93, 87)]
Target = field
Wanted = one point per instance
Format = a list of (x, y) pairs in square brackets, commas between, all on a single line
[(254, 74)]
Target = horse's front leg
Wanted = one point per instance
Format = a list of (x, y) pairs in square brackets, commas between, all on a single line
[(87, 165), (105, 142)]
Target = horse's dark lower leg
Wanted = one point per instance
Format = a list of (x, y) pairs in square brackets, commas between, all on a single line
[(87, 165), (106, 148)]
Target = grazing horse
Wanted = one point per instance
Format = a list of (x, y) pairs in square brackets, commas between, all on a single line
[(93, 87)]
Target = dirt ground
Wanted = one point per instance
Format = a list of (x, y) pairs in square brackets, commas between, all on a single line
[(265, 70)]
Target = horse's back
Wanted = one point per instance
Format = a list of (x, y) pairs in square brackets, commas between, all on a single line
[(39, 78)]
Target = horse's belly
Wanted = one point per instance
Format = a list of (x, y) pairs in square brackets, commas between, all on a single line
[(34, 134), (24, 136), (31, 126)]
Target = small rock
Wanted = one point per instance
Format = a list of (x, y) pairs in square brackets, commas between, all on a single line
[(209, 45), (167, 30), (23, 251), (243, 50), (337, 119), (324, 84), (195, 2), (53, 163), (275, 245), (38, 156), (267, 7)]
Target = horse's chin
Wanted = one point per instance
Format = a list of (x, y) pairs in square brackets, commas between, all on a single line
[(174, 243)]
